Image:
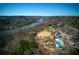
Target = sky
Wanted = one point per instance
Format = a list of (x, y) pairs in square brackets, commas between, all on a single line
[(39, 9)]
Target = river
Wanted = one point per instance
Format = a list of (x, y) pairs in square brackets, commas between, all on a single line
[(40, 21)]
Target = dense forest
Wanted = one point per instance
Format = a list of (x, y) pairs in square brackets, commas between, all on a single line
[(11, 22)]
